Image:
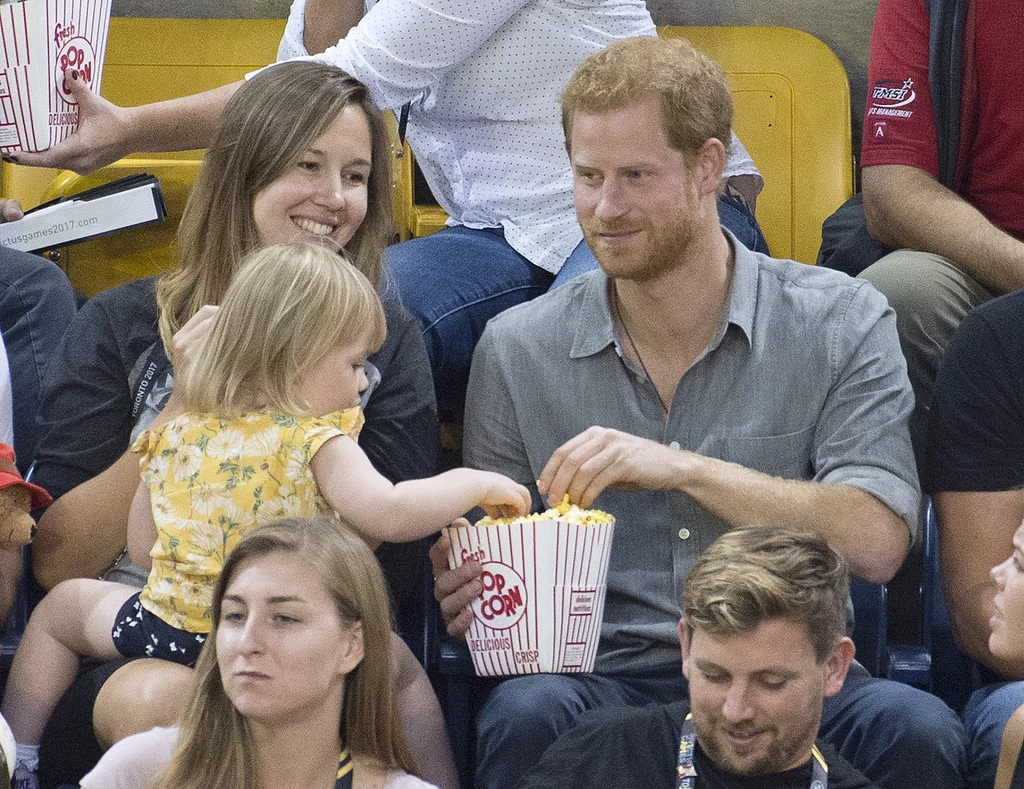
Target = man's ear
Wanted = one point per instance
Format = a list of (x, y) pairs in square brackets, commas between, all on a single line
[(837, 664), (684, 645), (711, 160)]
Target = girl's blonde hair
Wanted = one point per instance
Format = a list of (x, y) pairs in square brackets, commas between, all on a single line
[(215, 746), (289, 306), (265, 129)]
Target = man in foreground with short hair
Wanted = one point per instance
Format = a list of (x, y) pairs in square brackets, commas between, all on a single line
[(763, 644), (689, 387)]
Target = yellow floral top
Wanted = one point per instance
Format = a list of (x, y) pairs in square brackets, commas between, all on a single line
[(212, 481)]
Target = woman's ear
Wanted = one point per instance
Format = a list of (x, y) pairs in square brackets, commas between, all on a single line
[(351, 654)]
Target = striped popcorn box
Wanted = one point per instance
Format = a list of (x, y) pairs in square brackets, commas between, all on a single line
[(543, 593), (39, 39)]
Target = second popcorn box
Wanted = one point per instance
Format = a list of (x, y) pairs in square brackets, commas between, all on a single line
[(544, 583), (39, 40)]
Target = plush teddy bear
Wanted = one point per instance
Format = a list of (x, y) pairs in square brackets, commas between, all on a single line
[(17, 499)]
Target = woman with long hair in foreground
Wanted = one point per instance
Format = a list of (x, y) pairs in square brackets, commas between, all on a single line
[(295, 686)]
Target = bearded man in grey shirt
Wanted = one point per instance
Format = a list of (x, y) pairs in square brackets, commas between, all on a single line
[(688, 387)]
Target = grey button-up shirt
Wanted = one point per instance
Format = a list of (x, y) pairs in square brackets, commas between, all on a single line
[(804, 379)]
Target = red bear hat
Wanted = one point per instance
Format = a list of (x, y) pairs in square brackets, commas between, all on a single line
[(9, 476)]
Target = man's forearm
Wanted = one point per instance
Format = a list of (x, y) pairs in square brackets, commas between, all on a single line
[(871, 536), (328, 21), (178, 124), (906, 208)]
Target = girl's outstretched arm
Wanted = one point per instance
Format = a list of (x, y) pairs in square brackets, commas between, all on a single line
[(383, 512)]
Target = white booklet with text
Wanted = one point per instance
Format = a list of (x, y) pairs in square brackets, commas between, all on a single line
[(132, 201)]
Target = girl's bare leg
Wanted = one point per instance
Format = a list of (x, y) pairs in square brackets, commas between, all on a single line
[(72, 620)]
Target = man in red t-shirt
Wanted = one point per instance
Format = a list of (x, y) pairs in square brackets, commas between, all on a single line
[(956, 249)]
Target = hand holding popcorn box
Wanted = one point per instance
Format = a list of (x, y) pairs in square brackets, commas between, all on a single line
[(543, 584), (39, 39)]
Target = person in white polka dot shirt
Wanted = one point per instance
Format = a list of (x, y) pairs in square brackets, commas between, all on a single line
[(482, 79)]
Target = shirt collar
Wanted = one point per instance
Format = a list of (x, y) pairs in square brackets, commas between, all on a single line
[(742, 305), (595, 330)]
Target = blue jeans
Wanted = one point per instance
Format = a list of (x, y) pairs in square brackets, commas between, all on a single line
[(896, 735), (985, 717), (37, 303), (457, 279), (454, 281)]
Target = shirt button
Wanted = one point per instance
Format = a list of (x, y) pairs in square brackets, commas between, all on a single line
[(673, 445), (684, 534)]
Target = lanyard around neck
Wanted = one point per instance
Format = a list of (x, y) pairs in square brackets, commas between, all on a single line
[(687, 773), (344, 780)]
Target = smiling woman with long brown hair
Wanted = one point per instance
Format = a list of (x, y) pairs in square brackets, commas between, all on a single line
[(301, 153)]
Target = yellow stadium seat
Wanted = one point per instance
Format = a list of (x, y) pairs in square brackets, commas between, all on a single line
[(413, 219), (792, 111), (790, 91)]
